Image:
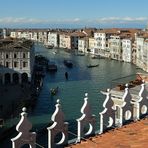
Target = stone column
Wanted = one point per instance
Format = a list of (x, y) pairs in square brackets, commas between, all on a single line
[(3, 78), (11, 78), (20, 79)]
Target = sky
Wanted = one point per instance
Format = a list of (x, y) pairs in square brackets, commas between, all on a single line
[(73, 13)]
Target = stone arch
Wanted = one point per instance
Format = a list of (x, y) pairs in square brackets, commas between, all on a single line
[(24, 77), (15, 77), (7, 78)]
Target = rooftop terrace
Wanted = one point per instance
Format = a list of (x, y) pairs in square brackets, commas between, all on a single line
[(133, 135)]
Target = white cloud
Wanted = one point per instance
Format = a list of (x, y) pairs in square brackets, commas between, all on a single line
[(121, 19), (104, 20), (11, 20)]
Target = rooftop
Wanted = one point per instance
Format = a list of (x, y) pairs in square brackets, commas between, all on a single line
[(15, 45), (133, 135)]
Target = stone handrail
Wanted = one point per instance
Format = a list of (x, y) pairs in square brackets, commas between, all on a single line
[(113, 115)]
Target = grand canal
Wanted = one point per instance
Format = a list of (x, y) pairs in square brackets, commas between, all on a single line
[(71, 92)]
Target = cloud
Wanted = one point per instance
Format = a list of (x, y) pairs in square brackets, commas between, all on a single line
[(122, 19), (10, 21)]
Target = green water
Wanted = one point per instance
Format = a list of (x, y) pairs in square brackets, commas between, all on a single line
[(81, 80)]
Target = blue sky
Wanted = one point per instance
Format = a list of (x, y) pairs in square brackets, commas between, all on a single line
[(73, 13)]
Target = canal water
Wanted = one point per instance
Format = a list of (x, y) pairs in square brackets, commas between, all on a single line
[(71, 92)]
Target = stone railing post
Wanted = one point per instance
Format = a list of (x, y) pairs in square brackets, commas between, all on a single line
[(126, 109), (24, 136), (58, 127), (107, 116), (86, 119), (141, 103)]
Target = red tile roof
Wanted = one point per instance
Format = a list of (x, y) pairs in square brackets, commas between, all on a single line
[(133, 135)]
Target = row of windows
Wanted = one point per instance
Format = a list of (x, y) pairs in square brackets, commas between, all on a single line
[(127, 46), (15, 55), (16, 64), (101, 39)]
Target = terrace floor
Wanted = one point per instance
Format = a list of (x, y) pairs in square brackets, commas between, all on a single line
[(133, 135)]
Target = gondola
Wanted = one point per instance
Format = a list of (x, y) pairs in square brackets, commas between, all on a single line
[(91, 66), (54, 91)]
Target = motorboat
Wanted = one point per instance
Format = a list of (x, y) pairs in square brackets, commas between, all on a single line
[(97, 57), (52, 67), (68, 63)]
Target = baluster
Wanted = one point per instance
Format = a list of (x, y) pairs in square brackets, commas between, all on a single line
[(86, 119), (24, 136), (58, 127), (107, 116)]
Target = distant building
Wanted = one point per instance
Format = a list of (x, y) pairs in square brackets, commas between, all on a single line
[(16, 61), (145, 56), (127, 50), (53, 39), (13, 34), (83, 44), (5, 33), (1, 33), (75, 36), (102, 37), (142, 50), (91, 45), (115, 47), (65, 41)]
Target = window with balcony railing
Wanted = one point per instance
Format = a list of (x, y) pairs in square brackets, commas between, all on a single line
[(25, 64)]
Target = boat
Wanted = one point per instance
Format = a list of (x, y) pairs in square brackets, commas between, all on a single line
[(49, 46), (91, 66), (54, 52), (54, 91), (80, 54), (97, 57), (68, 63), (52, 67)]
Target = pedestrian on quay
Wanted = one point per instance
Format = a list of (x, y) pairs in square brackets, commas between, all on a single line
[(66, 75)]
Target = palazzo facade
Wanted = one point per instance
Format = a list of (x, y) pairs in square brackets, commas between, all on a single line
[(16, 61)]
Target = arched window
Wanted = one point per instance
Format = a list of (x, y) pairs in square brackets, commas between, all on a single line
[(24, 55), (15, 78), (25, 64), (15, 55), (7, 64), (7, 78), (15, 64), (24, 77), (7, 56)]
